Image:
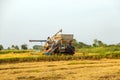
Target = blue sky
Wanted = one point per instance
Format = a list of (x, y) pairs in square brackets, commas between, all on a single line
[(21, 20)]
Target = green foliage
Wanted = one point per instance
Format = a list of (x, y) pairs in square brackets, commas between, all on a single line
[(98, 43), (100, 50), (14, 47), (75, 42), (1, 47), (103, 52), (83, 45), (37, 47), (8, 48), (80, 44), (24, 46)]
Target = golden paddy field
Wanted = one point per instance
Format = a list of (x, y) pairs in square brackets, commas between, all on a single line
[(104, 69)]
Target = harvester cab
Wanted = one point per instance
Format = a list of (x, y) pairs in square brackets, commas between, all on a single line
[(58, 43)]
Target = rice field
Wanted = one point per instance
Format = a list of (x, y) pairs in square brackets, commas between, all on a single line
[(104, 69), (81, 66), (38, 57)]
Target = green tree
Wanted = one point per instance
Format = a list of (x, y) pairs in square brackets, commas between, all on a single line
[(95, 44), (1, 47), (24, 46), (83, 45), (101, 44), (16, 47), (37, 47), (8, 48), (98, 43), (12, 47), (75, 43)]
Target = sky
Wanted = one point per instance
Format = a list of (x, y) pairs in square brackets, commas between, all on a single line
[(22, 20)]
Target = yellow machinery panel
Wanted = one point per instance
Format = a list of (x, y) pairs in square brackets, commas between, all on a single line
[(64, 37)]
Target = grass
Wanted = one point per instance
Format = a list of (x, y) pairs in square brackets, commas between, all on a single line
[(30, 57), (14, 51), (99, 50), (93, 53)]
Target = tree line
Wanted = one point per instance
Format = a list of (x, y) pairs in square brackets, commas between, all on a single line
[(96, 43), (15, 47), (22, 47)]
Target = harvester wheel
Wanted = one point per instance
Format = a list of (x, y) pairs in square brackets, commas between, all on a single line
[(70, 50)]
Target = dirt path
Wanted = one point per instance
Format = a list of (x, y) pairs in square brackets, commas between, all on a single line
[(62, 70)]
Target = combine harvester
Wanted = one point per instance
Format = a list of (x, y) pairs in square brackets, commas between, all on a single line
[(58, 44)]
